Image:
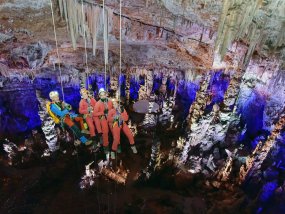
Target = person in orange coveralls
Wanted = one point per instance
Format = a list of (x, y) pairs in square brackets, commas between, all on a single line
[(117, 118), (86, 107), (102, 107)]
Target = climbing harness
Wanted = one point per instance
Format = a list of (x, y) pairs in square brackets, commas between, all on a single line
[(51, 114)]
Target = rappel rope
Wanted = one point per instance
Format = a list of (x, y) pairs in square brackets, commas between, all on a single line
[(105, 71), (105, 45), (57, 52), (85, 45), (119, 93)]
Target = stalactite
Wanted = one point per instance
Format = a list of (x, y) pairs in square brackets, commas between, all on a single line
[(251, 20), (255, 160), (191, 75), (88, 24), (105, 35)]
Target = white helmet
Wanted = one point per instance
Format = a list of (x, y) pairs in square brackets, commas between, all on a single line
[(101, 90), (53, 94)]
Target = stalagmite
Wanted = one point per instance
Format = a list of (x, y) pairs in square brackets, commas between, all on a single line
[(119, 178), (255, 160), (82, 79), (88, 179), (114, 84), (149, 82), (48, 125), (105, 35), (154, 160), (231, 94), (143, 90), (127, 89), (197, 108), (226, 170)]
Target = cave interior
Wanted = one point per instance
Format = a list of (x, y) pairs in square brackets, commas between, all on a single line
[(201, 81)]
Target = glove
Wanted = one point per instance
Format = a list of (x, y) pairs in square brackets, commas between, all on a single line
[(73, 115), (66, 106), (90, 109)]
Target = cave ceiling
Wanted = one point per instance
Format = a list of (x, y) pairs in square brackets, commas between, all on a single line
[(174, 34)]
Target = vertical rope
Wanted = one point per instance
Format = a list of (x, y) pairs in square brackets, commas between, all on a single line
[(119, 94), (105, 49), (56, 45), (85, 44)]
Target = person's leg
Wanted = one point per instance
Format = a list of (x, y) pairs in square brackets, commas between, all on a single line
[(91, 126), (130, 137), (129, 134), (116, 137), (98, 124), (105, 131), (68, 121), (80, 121), (116, 140)]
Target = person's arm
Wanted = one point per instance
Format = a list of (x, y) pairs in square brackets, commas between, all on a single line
[(111, 116), (82, 108), (58, 112), (110, 105), (98, 111), (67, 106), (124, 115), (93, 103)]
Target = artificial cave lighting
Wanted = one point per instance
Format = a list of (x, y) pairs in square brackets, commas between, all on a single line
[(142, 106)]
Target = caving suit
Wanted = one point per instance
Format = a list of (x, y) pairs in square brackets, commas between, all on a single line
[(102, 107), (117, 122), (61, 110), (86, 106)]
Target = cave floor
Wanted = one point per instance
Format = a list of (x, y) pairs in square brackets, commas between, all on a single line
[(51, 185)]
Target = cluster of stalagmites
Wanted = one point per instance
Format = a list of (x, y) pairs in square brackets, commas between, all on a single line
[(32, 149), (260, 153), (205, 144)]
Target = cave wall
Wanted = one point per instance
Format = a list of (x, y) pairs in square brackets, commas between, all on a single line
[(261, 98)]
